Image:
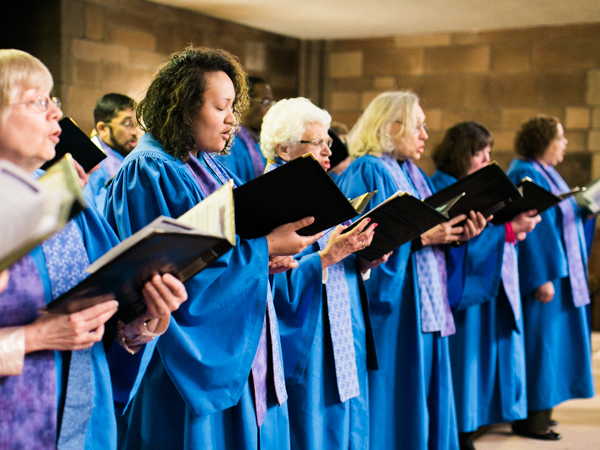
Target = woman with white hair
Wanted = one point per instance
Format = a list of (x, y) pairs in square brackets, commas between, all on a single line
[(411, 396), (321, 305), (55, 386)]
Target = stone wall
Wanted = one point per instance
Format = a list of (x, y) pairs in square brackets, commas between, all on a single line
[(499, 78), (117, 45)]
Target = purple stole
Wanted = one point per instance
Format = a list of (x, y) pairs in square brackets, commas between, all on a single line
[(577, 271), (510, 279), (430, 260), (253, 149), (112, 164), (209, 182), (28, 401)]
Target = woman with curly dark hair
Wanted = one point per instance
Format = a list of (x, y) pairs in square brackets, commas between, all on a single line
[(208, 386), (552, 272), (487, 351)]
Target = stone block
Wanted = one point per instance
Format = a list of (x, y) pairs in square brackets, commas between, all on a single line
[(366, 98), (436, 90), (503, 157), (578, 140), (345, 45), (345, 101), (596, 117), (394, 61), (130, 38), (346, 64), (488, 117), (576, 168), (593, 87), (594, 141), (384, 83), (577, 118), (513, 118), (572, 53), (463, 58), (433, 117), (281, 61), (582, 30), (145, 59), (79, 102), (73, 19), (511, 57), (467, 38), (255, 57), (94, 22), (504, 141), (502, 90), (86, 73), (522, 34), (347, 118), (565, 87), (352, 84), (424, 40), (132, 20), (595, 173), (99, 51)]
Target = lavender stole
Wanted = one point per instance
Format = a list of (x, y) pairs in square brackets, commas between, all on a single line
[(577, 271), (112, 163), (430, 260), (510, 279), (254, 150), (27, 401), (66, 260), (209, 182)]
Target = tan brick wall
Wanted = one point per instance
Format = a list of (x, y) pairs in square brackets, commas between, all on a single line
[(117, 46), (499, 78)]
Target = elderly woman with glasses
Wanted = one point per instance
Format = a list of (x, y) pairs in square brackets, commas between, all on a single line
[(411, 396), (553, 282), (487, 351), (54, 378), (321, 305)]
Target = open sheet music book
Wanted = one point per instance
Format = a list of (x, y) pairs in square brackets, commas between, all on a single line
[(590, 197), (401, 218), (182, 247), (32, 210)]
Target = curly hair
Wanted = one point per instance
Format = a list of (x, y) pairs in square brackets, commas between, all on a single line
[(177, 93), (460, 143), (536, 135)]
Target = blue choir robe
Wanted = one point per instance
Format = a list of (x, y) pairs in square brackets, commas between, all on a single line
[(238, 161), (101, 432), (318, 419), (557, 344), (95, 190), (487, 350), (411, 396), (196, 393)]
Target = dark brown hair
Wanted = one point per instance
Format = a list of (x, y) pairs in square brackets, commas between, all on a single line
[(460, 143), (177, 93), (535, 136)]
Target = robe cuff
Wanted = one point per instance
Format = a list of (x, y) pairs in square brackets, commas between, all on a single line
[(12, 350), (139, 332)]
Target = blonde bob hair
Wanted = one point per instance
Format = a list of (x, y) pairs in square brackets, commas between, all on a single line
[(19, 69), (286, 122), (371, 133)]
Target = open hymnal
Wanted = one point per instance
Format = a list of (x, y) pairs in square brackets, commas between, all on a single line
[(32, 210), (590, 197), (533, 197), (182, 247), (296, 190), (400, 219)]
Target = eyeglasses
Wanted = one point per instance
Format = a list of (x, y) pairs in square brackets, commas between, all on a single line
[(266, 102), (41, 103), (318, 142), (129, 124), (419, 127)]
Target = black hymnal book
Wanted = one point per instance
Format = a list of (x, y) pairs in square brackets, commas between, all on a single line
[(296, 190), (75, 142), (534, 197), (166, 245), (400, 219), (487, 191)]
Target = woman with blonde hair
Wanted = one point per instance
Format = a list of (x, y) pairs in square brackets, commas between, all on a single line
[(411, 396)]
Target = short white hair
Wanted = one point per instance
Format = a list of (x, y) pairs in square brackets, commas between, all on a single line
[(286, 122)]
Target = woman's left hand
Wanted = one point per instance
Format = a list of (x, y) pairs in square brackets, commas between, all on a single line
[(339, 245), (368, 265), (474, 225), (163, 295), (278, 264)]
